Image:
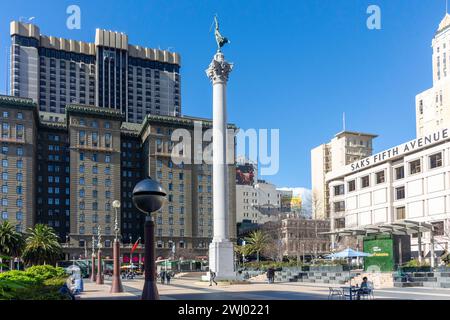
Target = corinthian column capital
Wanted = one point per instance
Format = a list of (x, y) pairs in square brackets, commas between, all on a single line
[(219, 69)]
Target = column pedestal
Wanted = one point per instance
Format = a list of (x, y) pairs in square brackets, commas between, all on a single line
[(221, 255)]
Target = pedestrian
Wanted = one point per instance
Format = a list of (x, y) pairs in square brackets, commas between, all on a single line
[(212, 278), (168, 276), (163, 277), (268, 275)]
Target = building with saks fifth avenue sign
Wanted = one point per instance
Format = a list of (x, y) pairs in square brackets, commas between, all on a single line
[(409, 182)]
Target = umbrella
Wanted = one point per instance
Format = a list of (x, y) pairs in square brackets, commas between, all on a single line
[(348, 253)]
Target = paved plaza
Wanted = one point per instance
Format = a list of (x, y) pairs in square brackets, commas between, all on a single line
[(192, 289)]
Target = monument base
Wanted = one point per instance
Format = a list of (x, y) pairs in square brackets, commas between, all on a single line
[(221, 260)]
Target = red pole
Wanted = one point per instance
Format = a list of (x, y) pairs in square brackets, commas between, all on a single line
[(99, 268), (150, 291), (116, 285), (93, 268)]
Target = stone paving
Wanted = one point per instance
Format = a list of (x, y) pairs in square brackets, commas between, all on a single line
[(192, 289)]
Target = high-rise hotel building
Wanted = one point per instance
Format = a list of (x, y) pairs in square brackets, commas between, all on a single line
[(433, 105), (346, 147), (65, 170), (109, 73)]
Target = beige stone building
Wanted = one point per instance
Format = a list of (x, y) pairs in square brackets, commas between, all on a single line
[(65, 170), (300, 237)]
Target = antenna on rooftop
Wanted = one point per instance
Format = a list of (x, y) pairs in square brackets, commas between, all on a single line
[(343, 121)]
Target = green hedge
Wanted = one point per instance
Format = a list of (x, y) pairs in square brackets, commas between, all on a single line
[(36, 283)]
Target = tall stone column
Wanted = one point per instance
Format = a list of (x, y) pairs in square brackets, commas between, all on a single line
[(220, 249)]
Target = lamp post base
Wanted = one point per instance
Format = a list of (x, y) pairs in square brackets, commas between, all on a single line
[(116, 286)]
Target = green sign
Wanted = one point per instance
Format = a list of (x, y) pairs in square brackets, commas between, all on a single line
[(382, 256)]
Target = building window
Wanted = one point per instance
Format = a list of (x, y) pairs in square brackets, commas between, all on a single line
[(399, 193), (414, 167), (351, 186), (435, 160), (365, 182), (339, 223), (438, 228), (339, 190), (380, 177), (399, 173), (400, 213), (339, 206)]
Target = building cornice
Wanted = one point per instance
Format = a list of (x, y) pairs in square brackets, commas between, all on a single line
[(89, 110)]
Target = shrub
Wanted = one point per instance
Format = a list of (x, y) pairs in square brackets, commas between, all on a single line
[(36, 283), (45, 272), (55, 282), (19, 277), (414, 263)]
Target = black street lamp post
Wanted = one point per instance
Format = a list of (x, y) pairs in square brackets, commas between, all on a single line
[(148, 197)]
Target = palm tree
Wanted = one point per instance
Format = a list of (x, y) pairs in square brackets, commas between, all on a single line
[(11, 241), (41, 246), (257, 241)]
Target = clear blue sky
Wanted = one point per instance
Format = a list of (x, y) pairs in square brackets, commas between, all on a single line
[(298, 64)]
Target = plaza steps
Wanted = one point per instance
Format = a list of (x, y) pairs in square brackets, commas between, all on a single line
[(424, 279), (314, 276)]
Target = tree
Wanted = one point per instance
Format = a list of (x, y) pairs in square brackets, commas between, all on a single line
[(257, 241), (317, 206), (41, 246), (274, 249), (11, 241)]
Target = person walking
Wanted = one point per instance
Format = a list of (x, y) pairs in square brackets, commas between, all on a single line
[(162, 275), (269, 275), (168, 276), (212, 278)]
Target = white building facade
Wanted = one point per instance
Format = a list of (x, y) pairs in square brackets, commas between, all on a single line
[(409, 182)]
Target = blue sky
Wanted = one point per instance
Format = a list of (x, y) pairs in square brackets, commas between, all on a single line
[(298, 64)]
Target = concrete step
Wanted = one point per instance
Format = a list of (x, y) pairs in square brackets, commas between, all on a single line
[(408, 284)]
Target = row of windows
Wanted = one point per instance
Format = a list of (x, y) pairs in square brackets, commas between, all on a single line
[(19, 176), (82, 193), (415, 167), (82, 169), (19, 215), (19, 202), (54, 201), (19, 163), (159, 233), (6, 148), (6, 132), (55, 179), (95, 157), (82, 206), (7, 114), (107, 231)]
